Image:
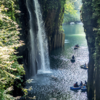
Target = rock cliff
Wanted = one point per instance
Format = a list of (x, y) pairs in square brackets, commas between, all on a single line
[(91, 20), (53, 11)]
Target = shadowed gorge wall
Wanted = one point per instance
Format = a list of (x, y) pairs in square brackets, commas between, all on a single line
[(91, 19), (25, 36), (53, 11)]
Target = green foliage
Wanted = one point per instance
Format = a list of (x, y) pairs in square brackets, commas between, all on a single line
[(71, 18), (53, 4), (62, 2), (91, 14), (72, 11), (69, 8), (9, 31), (61, 29)]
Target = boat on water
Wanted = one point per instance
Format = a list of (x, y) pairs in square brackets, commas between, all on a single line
[(72, 60), (76, 47), (84, 88), (84, 67), (75, 88)]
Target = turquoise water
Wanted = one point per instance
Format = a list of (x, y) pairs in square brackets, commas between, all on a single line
[(75, 34)]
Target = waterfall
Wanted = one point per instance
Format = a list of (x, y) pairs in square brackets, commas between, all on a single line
[(31, 58), (39, 56), (42, 40)]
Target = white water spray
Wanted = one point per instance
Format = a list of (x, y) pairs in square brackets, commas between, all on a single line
[(42, 40), (38, 57)]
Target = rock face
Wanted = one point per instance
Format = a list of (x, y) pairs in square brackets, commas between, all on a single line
[(25, 36), (24, 50), (90, 18), (53, 11)]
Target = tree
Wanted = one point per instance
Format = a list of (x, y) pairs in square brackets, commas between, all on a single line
[(72, 11)]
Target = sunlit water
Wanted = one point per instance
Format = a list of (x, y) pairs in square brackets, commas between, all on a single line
[(56, 85)]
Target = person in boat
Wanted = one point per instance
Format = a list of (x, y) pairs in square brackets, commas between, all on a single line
[(85, 83), (85, 65), (73, 57), (81, 84), (76, 84), (77, 45), (84, 86)]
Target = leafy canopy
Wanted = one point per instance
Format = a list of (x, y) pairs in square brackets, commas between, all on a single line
[(72, 10)]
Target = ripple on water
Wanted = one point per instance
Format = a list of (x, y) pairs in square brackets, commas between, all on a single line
[(56, 85)]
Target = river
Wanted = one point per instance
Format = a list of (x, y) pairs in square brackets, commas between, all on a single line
[(56, 85)]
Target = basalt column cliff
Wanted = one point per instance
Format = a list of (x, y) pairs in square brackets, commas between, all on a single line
[(91, 19), (52, 11)]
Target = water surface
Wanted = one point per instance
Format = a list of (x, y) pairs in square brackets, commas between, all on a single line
[(56, 85)]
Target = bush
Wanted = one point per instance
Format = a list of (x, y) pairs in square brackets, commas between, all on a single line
[(9, 40)]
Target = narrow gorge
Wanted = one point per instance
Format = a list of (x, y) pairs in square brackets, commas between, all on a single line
[(37, 43), (53, 17)]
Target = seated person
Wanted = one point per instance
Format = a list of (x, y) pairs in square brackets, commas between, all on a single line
[(76, 85), (73, 57), (85, 83), (84, 87), (85, 65), (81, 84), (77, 45)]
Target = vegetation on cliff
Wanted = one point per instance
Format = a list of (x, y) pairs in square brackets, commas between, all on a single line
[(91, 19), (9, 41), (53, 12)]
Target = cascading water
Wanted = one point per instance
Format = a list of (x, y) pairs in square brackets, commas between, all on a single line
[(32, 69), (42, 40), (39, 47)]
